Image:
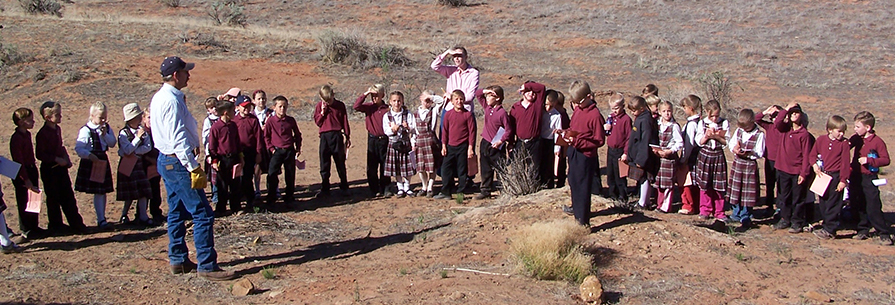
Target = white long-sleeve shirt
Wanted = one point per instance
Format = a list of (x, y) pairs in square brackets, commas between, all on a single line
[(206, 129), (399, 119), (741, 136), (712, 144), (139, 146), (174, 129), (551, 121), (689, 135), (677, 141), (83, 145)]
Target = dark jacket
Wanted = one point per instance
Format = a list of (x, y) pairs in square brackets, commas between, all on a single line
[(645, 132)]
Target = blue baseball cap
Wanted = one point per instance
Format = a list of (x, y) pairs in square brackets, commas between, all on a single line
[(243, 100), (173, 64)]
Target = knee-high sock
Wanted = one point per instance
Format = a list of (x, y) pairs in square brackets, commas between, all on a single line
[(644, 193), (424, 178), (4, 235), (141, 209), (127, 207), (99, 205)]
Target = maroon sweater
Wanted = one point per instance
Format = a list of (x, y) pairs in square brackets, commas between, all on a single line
[(459, 127), (373, 113), (834, 154), (863, 146), (495, 117), (250, 132), (588, 122), (795, 145), (772, 137), (621, 131), (527, 121), (334, 118), (22, 151), (223, 139), (281, 133), (48, 145)]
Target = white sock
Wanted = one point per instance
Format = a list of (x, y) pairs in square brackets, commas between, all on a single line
[(644, 193), (406, 184), (4, 235), (127, 207), (141, 209), (431, 182), (424, 178), (99, 205)]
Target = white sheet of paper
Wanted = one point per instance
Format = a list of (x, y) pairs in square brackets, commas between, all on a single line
[(9, 168), (34, 202), (879, 182), (498, 135), (820, 184)]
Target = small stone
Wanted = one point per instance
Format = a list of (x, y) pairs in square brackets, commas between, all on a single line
[(817, 296), (456, 296), (243, 287), (591, 290), (274, 294)]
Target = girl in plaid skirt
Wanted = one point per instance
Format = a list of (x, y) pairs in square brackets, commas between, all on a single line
[(670, 142), (94, 139), (711, 165), (425, 145), (397, 124), (747, 144), (133, 143)]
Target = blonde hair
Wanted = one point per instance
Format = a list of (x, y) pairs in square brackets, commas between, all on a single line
[(712, 106), (20, 114), (458, 93), (50, 108), (652, 100), (746, 118), (837, 122), (378, 88), (98, 107), (693, 102), (326, 92), (616, 98), (579, 90)]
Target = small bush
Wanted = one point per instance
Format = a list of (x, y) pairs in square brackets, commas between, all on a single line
[(517, 175), (453, 3), (47, 7), (229, 13), (269, 273), (349, 49), (552, 251), (172, 3), (10, 55)]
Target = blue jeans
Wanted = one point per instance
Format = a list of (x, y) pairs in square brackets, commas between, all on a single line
[(184, 203), (741, 213)]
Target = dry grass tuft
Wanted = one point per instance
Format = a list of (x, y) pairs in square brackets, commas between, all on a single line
[(453, 3), (228, 13), (553, 251), (352, 50), (172, 3), (517, 176), (47, 7)]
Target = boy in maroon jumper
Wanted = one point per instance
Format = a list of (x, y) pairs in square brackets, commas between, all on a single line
[(332, 118), (833, 160), (588, 122), (225, 152), (283, 140), (54, 165), (870, 155), (252, 145), (525, 117), (377, 141), (773, 137), (23, 152), (793, 171), (495, 117), (458, 137), (618, 130)]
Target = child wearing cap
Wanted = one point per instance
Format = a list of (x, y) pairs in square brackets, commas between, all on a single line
[(133, 143), (94, 140), (54, 165), (225, 151), (252, 146)]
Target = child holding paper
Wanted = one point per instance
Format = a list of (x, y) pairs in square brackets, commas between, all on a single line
[(670, 142), (830, 157), (747, 145), (618, 129), (94, 139), (551, 123), (133, 184), (644, 133), (226, 157), (870, 155), (712, 134), (492, 150), (23, 152), (793, 170)]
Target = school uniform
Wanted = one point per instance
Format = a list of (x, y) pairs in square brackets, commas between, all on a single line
[(644, 132), (551, 121), (56, 181), (251, 143), (22, 151), (690, 193), (224, 148), (377, 144), (669, 138), (263, 115), (459, 134), (397, 163), (212, 174), (428, 149), (864, 195), (773, 138), (90, 141), (282, 139), (832, 156), (150, 161), (583, 158), (711, 169), (495, 117), (796, 146), (744, 178), (334, 129), (562, 172), (617, 142), (526, 122), (136, 185)]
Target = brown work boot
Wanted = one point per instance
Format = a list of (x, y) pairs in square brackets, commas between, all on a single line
[(183, 268), (217, 275)]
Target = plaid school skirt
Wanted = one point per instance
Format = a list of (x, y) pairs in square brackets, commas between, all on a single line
[(665, 177), (711, 170), (83, 183), (398, 164), (425, 152), (136, 186), (743, 182)]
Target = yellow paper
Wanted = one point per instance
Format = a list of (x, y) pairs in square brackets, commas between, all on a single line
[(820, 184)]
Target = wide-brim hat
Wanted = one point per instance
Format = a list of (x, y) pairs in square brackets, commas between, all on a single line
[(131, 111)]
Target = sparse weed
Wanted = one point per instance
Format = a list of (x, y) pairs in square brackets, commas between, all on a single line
[(718, 86), (443, 274), (350, 49), (172, 3), (402, 271), (459, 198), (132, 270), (10, 55), (741, 257), (72, 76), (552, 251), (517, 175), (452, 3), (46, 7), (229, 13), (269, 273)]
